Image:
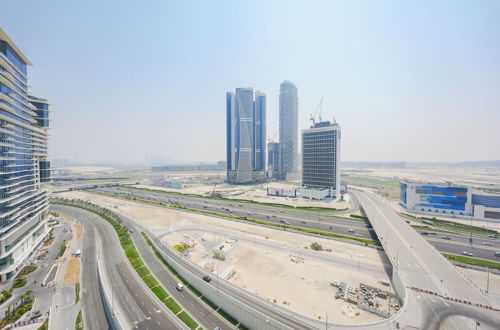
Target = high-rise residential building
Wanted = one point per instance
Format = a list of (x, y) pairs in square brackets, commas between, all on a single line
[(246, 155), (321, 160), (260, 131), (273, 156), (288, 128), (23, 162)]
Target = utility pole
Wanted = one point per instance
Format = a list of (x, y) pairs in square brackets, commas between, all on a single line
[(217, 278), (488, 281)]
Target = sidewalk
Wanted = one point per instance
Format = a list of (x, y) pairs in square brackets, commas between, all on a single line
[(64, 309)]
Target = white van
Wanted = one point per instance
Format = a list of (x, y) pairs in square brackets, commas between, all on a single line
[(179, 287)]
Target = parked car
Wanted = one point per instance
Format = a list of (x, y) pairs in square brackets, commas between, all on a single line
[(179, 287), (207, 278)]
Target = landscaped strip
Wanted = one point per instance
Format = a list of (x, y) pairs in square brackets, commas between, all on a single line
[(79, 321), (450, 225), (77, 293), (15, 314), (196, 292), (247, 201), (136, 262), (272, 224), (472, 261)]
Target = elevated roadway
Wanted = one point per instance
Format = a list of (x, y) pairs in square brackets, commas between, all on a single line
[(437, 294)]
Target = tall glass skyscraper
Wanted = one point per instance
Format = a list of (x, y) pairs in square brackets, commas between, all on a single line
[(23, 162), (288, 128), (246, 136)]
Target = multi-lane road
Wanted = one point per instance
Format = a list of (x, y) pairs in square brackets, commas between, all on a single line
[(323, 221), (129, 297)]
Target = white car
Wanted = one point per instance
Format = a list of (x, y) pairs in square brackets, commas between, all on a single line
[(488, 243), (467, 253)]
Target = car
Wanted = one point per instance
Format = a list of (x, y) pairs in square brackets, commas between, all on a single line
[(284, 222), (217, 328), (488, 243), (179, 287), (424, 233), (467, 253), (207, 278), (445, 237), (497, 254), (304, 222), (358, 235), (350, 230), (492, 236)]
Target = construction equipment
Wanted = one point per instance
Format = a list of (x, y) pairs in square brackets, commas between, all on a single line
[(319, 109)]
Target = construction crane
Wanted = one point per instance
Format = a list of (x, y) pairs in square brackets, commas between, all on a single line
[(318, 108)]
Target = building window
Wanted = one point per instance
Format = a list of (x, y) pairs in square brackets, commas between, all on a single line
[(422, 209)]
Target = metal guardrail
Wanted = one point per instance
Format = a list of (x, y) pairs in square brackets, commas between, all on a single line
[(110, 318)]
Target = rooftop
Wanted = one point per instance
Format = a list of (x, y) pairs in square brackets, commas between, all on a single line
[(5, 37)]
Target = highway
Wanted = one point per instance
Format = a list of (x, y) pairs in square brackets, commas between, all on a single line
[(229, 289), (421, 266), (323, 221), (202, 313), (92, 307), (129, 297)]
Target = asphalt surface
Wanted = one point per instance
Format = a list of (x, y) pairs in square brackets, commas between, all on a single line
[(323, 221), (229, 289), (92, 307), (129, 295), (202, 313), (421, 266)]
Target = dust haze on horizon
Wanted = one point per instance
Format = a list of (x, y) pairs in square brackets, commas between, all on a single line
[(146, 83)]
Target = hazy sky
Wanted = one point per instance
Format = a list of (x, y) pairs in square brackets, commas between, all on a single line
[(132, 80)]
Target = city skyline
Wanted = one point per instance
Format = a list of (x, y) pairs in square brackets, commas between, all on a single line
[(397, 85)]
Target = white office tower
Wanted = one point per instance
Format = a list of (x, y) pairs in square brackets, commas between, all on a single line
[(23, 162), (321, 161)]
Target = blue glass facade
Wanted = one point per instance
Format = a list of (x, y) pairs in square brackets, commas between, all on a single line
[(245, 135), (402, 192), (486, 200), (24, 121), (447, 198)]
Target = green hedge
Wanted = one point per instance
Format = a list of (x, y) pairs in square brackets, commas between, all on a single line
[(160, 292), (187, 320), (150, 281), (172, 305), (472, 261)]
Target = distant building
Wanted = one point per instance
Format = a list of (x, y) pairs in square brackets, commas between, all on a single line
[(448, 199), (273, 159), (24, 169), (321, 160), (288, 128), (246, 156)]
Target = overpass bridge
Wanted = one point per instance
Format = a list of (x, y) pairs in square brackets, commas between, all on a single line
[(435, 294)]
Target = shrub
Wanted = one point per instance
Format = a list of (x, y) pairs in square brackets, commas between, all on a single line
[(316, 247)]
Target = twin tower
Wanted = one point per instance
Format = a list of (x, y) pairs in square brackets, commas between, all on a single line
[(246, 134)]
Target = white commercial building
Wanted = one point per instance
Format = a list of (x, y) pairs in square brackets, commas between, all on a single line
[(448, 199), (321, 161)]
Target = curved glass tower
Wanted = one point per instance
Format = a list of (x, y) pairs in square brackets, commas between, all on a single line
[(246, 156), (23, 162)]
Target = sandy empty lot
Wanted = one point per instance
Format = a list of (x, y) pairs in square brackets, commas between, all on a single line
[(270, 263)]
